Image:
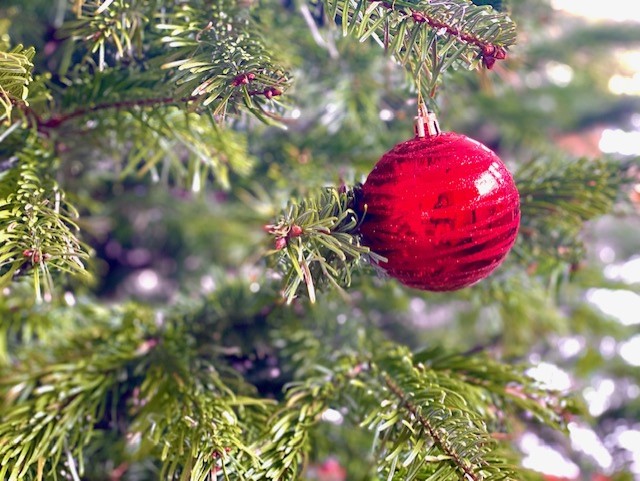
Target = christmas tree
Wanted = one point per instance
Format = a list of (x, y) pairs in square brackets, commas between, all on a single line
[(207, 272)]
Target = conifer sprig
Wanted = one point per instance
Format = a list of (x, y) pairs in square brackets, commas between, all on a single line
[(316, 242), (558, 195), (429, 416), (219, 58), (428, 37), (37, 226), (15, 76)]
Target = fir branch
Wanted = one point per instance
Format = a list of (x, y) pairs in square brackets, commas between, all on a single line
[(51, 404), (557, 197), (220, 59), (113, 24), (441, 408), (15, 76), (191, 421), (125, 372), (55, 121), (36, 223), (217, 59), (316, 242), (286, 442), (428, 38), (507, 383)]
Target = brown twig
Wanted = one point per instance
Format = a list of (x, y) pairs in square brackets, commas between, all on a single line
[(55, 121)]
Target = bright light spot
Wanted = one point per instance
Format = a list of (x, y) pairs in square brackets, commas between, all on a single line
[(148, 280), (598, 397), (295, 113), (559, 73), (586, 440), (545, 459), (616, 10), (629, 59), (624, 85), (386, 115), (417, 305), (630, 350), (332, 416), (570, 346), (619, 303), (628, 272), (207, 284), (254, 287), (196, 182), (486, 184), (607, 254), (69, 298), (342, 318), (550, 376), (629, 439), (620, 142)]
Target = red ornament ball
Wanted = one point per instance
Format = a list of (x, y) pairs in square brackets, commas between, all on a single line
[(443, 209)]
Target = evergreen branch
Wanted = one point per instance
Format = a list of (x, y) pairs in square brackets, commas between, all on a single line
[(286, 442), (557, 197), (217, 58), (51, 405), (171, 146), (316, 242), (113, 24), (427, 37), (440, 408), (36, 223), (191, 421), (57, 120), (220, 59), (15, 76), (123, 371), (435, 435), (508, 384)]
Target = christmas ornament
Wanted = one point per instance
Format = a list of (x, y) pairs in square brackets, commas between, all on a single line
[(441, 208)]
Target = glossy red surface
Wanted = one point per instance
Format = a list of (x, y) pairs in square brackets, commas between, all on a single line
[(443, 210)]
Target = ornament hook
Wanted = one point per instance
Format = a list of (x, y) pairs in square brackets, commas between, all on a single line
[(426, 123)]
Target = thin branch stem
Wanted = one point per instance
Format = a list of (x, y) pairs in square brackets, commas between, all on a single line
[(56, 120), (440, 441)]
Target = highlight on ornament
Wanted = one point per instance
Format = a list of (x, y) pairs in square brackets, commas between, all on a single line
[(442, 208)]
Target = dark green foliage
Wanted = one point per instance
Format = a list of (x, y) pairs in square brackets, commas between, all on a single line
[(178, 130)]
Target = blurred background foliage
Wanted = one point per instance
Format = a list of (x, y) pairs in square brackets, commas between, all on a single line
[(565, 96)]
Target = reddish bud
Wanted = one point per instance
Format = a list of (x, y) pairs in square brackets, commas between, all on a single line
[(488, 50), (418, 17), (331, 470), (491, 53), (489, 62), (270, 92), (27, 252), (281, 243), (295, 231), (243, 79)]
